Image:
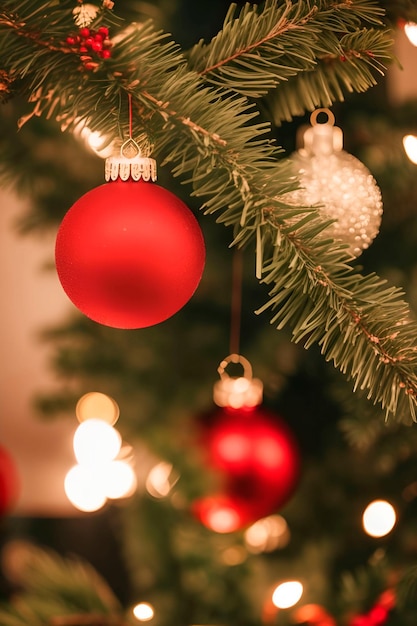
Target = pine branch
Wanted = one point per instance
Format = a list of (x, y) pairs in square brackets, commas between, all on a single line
[(256, 51), (212, 139), (350, 70), (55, 588)]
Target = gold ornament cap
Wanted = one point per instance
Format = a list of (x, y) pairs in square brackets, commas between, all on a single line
[(237, 392), (130, 164)]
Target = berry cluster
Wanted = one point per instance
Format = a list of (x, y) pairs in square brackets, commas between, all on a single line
[(89, 44)]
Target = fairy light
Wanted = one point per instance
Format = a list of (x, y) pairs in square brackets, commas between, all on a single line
[(143, 612), (410, 29), (267, 534), (234, 555), (94, 140), (410, 147), (119, 480), (379, 518), (96, 442), (99, 406), (105, 468), (287, 594), (160, 480), (84, 489)]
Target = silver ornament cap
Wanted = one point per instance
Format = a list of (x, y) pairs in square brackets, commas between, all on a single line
[(130, 165)]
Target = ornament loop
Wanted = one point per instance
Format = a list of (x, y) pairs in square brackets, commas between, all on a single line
[(237, 392), (130, 149), (330, 117), (235, 358), (321, 138)]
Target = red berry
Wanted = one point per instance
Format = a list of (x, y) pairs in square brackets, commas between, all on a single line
[(83, 49), (104, 31), (89, 42), (84, 32), (98, 37), (70, 40), (105, 54), (96, 46)]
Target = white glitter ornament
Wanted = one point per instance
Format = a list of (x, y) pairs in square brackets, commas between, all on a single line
[(338, 183)]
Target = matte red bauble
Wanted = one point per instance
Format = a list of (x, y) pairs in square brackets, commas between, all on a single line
[(129, 254), (254, 454), (9, 482)]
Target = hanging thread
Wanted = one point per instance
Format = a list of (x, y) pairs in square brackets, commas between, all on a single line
[(236, 302), (130, 115)]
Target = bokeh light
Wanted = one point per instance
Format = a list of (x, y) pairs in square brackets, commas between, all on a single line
[(287, 594), (267, 534), (379, 518), (161, 479), (84, 489), (143, 612), (410, 29), (96, 405), (410, 147), (96, 442), (119, 480), (94, 140)]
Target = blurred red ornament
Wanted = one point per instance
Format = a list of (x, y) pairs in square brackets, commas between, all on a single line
[(313, 615), (129, 253), (253, 452), (387, 599), (378, 614), (9, 482), (360, 620)]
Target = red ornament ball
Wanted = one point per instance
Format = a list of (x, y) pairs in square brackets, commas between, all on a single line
[(257, 461), (129, 254), (9, 482)]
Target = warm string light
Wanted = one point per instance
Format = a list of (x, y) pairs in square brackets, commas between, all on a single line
[(410, 147), (160, 480), (102, 471), (143, 612), (287, 594), (379, 518), (410, 29), (267, 534)]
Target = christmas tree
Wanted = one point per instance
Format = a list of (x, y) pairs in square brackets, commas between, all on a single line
[(327, 325)]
